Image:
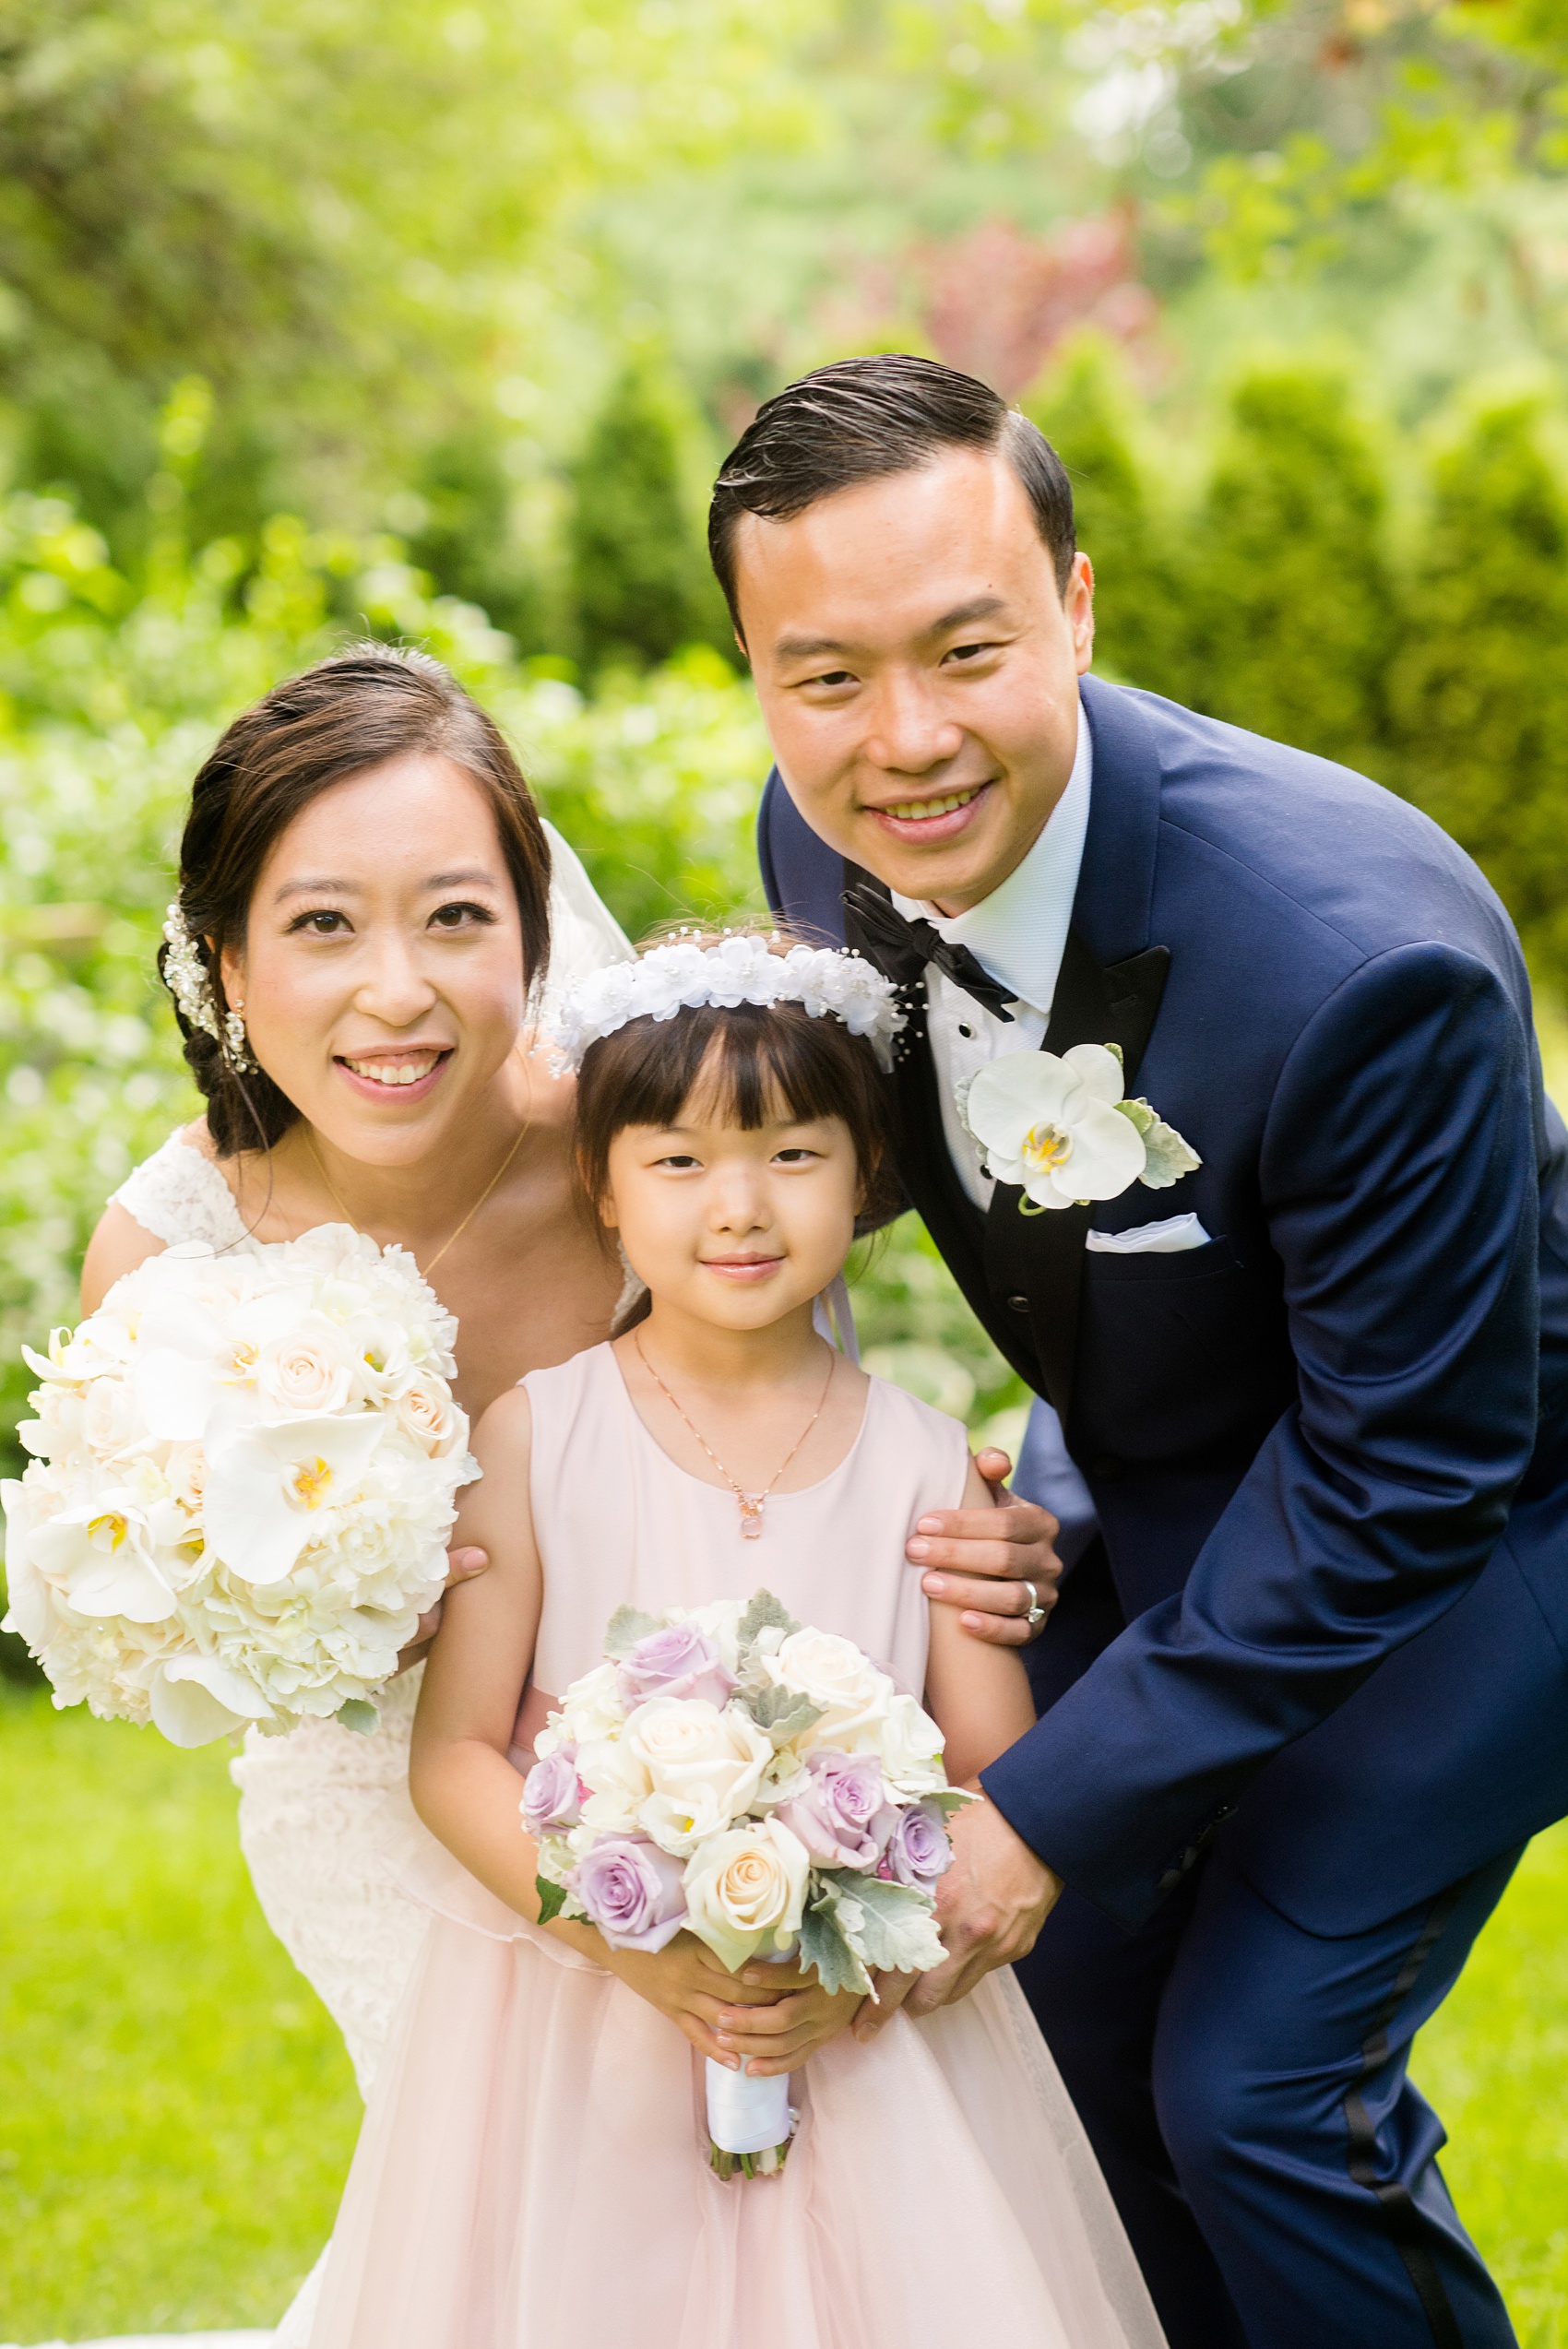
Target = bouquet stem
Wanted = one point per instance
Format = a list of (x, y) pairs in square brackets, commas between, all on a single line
[(748, 2123)]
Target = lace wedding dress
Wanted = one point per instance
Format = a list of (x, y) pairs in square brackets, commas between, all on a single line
[(307, 1801)]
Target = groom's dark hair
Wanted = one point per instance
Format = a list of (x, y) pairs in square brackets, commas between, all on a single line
[(862, 420)]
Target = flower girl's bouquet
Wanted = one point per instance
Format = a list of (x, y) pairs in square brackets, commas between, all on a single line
[(761, 1785), (244, 1473)]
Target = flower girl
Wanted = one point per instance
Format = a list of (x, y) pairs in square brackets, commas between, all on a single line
[(533, 2168)]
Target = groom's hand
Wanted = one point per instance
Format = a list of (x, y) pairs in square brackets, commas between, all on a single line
[(990, 1905), (996, 1564), (463, 1565)]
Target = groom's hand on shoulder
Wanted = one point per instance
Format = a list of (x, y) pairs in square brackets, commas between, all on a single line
[(997, 1565)]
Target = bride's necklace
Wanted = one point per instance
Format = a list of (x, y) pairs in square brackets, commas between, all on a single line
[(427, 1269), (752, 1503)]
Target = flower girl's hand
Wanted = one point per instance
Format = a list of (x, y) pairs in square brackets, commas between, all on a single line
[(686, 1982), (778, 2039)]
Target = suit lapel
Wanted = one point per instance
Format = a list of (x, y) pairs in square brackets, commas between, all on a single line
[(1040, 1254)]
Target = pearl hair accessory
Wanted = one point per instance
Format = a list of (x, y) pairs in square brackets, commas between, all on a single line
[(739, 969), (189, 980)]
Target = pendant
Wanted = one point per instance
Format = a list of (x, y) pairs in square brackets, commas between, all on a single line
[(752, 1506)]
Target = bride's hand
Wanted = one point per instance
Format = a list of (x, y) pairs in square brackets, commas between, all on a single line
[(997, 1564), (463, 1565), (685, 1981)]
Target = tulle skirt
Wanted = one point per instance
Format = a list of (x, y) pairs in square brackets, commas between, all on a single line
[(532, 2172)]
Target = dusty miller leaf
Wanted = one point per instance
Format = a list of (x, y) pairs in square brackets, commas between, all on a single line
[(949, 1798), (624, 1629), (355, 1713), (1168, 1157), (825, 1946), (781, 1712), (764, 1612), (896, 1930)]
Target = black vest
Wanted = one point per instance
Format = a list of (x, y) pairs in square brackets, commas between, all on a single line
[(1019, 1271)]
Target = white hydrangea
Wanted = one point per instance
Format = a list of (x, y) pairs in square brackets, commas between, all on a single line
[(741, 968), (244, 1473)]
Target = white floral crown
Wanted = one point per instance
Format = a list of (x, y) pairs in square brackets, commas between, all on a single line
[(740, 969)]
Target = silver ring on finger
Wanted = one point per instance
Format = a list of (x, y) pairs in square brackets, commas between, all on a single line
[(1036, 1615)]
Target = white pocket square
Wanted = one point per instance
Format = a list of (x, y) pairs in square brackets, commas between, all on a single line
[(1167, 1238)]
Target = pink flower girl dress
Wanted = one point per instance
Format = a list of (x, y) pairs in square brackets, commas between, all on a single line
[(532, 2170)]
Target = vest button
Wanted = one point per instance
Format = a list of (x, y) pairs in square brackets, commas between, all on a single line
[(1019, 1304)]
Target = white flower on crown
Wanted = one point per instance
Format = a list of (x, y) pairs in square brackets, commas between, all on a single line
[(827, 982)]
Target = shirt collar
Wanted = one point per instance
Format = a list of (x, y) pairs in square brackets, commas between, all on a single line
[(1019, 933)]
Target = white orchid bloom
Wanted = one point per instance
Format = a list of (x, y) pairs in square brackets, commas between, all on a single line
[(197, 1698), (267, 1488), (29, 1613), (1054, 1127), (101, 1559), (174, 1394)]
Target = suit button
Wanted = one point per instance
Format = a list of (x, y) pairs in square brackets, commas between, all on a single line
[(1169, 1881), (1108, 1467), (1019, 1304)]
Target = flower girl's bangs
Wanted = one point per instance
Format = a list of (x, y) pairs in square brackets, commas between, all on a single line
[(744, 1065)]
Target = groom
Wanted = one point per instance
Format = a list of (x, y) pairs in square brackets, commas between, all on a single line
[(1303, 1697)]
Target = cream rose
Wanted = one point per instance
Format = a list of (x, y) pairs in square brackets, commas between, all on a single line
[(186, 1471), (746, 1889), (617, 1786), (833, 1674), (307, 1371), (110, 1419), (910, 1745), (592, 1709), (697, 1755), (425, 1410)]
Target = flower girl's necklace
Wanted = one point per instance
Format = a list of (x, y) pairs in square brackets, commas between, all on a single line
[(752, 1503), (427, 1269)]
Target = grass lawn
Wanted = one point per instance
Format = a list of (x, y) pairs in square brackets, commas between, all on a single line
[(176, 2112), (176, 2116)]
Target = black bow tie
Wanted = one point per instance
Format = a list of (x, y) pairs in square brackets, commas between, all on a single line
[(901, 950)]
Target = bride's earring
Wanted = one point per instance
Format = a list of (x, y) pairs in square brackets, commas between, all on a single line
[(236, 1043)]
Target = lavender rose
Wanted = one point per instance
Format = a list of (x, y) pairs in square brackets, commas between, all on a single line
[(679, 1661), (835, 1816), (633, 1892), (551, 1796), (917, 1851)]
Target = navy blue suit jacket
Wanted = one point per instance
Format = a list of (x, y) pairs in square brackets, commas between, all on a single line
[(1329, 1450)]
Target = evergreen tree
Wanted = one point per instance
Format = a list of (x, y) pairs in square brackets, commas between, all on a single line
[(639, 571), (466, 541), (1480, 693), (1292, 616), (1081, 408)]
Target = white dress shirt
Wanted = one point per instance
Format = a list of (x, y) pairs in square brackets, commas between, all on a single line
[(1018, 934)]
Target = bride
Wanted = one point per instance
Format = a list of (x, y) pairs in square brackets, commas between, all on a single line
[(369, 912)]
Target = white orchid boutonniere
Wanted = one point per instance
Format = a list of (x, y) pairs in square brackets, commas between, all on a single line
[(1063, 1131)]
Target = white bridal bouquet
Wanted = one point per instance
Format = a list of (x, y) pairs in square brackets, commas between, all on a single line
[(761, 1785), (246, 1468)]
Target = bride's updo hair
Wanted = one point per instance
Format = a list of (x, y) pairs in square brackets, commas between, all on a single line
[(363, 707)]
